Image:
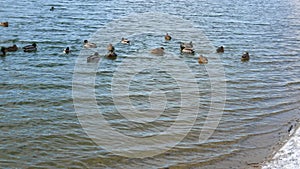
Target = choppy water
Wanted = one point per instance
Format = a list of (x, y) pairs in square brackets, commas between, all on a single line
[(39, 126)]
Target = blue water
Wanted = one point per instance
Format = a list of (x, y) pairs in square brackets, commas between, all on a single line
[(38, 122)]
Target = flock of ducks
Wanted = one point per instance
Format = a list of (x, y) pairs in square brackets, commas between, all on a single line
[(14, 48), (186, 48), (96, 57)]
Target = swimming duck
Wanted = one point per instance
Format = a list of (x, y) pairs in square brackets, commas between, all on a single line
[(245, 56), (87, 44), (187, 48), (125, 41), (30, 48), (52, 8), (3, 51), (158, 51), (4, 24), (220, 49), (93, 58), (110, 48), (67, 50), (202, 60), (168, 37), (11, 48), (111, 55)]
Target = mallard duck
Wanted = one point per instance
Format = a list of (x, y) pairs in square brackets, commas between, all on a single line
[(94, 58), (67, 50), (125, 41), (4, 24), (202, 60), (110, 48), (3, 51), (187, 47), (220, 49), (111, 55), (158, 51), (11, 48), (87, 44), (168, 37), (30, 48), (245, 56)]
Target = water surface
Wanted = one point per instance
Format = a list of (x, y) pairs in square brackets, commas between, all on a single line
[(39, 126)]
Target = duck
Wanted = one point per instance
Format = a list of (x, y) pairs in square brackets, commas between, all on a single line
[(3, 51), (111, 55), (167, 37), (67, 50), (93, 58), (158, 51), (4, 24), (110, 48), (187, 48), (30, 48), (125, 41), (88, 44), (220, 49), (11, 48), (202, 60), (245, 56), (52, 8)]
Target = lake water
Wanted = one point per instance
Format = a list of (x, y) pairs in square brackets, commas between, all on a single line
[(39, 125)]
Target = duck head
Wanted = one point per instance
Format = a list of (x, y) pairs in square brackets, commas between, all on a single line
[(3, 51)]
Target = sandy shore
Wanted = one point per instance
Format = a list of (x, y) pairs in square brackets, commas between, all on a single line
[(288, 157)]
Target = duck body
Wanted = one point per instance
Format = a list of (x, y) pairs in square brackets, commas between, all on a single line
[(158, 51), (125, 41), (11, 48), (67, 50), (4, 24), (245, 57), (202, 60), (188, 50), (88, 44), (93, 58), (30, 48), (111, 55), (220, 49), (168, 37)]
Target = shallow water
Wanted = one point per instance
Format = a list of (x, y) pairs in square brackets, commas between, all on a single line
[(39, 126)]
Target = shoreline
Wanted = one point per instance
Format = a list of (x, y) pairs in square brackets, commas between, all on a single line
[(288, 155)]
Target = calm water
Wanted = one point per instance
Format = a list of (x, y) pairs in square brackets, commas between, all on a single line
[(39, 126)]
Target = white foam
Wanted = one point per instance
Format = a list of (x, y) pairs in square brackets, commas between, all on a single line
[(288, 157)]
